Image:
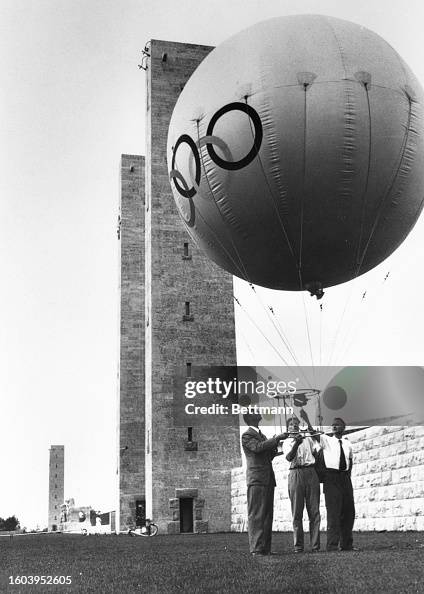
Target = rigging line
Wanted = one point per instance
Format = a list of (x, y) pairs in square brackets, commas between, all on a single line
[(336, 335), (389, 189), (320, 333), (221, 245), (292, 351), (375, 298), (266, 309), (351, 330), (271, 194), (309, 336), (365, 191), (302, 204), (302, 200), (283, 337), (358, 266), (274, 322), (245, 274), (247, 344), (264, 335)]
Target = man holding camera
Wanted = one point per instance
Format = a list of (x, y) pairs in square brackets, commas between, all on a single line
[(303, 483)]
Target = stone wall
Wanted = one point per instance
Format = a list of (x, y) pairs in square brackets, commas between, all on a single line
[(388, 482)]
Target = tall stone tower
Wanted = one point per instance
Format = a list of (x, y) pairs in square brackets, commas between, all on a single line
[(188, 321), (131, 361), (56, 485)]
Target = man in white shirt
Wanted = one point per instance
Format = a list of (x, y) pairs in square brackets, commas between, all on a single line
[(338, 488), (303, 485)]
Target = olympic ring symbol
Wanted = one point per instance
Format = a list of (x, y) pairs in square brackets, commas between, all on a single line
[(234, 165), (186, 192), (209, 140)]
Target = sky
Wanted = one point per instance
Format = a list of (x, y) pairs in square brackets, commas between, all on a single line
[(72, 101)]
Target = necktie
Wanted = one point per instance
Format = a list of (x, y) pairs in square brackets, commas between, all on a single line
[(342, 462)]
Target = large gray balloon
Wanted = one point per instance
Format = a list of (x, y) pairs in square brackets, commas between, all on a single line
[(296, 152)]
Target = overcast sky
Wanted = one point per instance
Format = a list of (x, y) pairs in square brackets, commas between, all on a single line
[(72, 100)]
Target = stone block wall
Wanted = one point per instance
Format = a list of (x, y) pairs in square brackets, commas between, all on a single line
[(387, 477)]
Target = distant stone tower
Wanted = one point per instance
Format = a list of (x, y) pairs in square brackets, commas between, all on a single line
[(56, 485), (189, 320)]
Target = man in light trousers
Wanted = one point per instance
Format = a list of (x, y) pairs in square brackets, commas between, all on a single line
[(303, 485)]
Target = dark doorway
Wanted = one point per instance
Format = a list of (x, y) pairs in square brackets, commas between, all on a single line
[(186, 514), (140, 513)]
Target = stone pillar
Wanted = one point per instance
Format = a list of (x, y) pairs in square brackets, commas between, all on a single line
[(56, 485), (131, 360), (205, 336)]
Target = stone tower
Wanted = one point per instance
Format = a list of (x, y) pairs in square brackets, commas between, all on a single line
[(131, 360), (188, 321), (56, 485)]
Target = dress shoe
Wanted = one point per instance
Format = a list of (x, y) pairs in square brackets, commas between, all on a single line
[(351, 549)]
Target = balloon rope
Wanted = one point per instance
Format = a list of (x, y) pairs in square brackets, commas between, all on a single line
[(297, 262), (382, 203), (247, 344), (244, 274), (263, 334), (365, 191), (321, 308), (281, 334), (309, 336), (365, 314), (302, 204), (302, 200), (286, 343), (272, 197), (363, 210), (221, 245), (390, 187)]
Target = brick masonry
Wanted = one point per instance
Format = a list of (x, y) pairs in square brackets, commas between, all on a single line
[(206, 337), (56, 485), (388, 482), (131, 360)]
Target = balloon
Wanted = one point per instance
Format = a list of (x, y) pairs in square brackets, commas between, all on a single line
[(295, 152)]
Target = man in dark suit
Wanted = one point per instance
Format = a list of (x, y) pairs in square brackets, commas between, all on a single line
[(259, 452), (338, 490)]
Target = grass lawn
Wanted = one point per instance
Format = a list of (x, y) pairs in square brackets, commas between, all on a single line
[(386, 562)]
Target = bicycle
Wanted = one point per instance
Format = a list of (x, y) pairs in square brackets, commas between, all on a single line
[(149, 529)]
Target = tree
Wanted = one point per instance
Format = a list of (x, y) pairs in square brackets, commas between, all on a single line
[(11, 523)]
